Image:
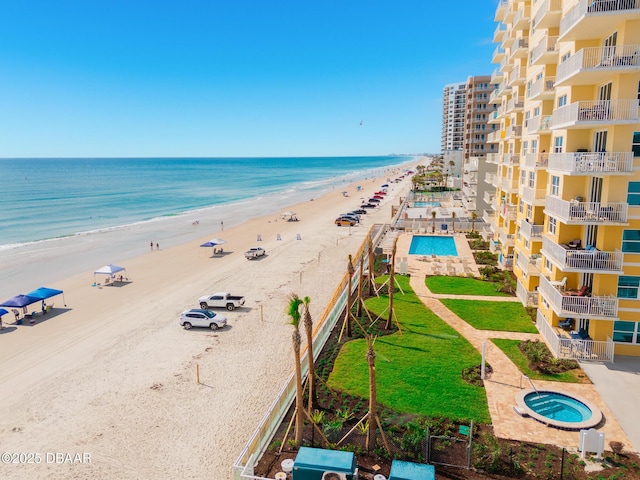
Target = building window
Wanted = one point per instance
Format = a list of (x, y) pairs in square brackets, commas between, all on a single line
[(628, 287), (529, 211), (558, 145), (534, 146), (521, 206), (532, 179), (525, 146), (523, 177), (627, 332), (633, 194), (536, 112), (555, 185), (635, 146), (552, 225), (562, 101), (631, 241)]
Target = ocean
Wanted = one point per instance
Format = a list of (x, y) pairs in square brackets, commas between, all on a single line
[(51, 198)]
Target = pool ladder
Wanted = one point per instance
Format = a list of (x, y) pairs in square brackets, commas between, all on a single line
[(531, 382)]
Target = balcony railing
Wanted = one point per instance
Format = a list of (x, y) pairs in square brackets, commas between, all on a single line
[(531, 231), (595, 112), (594, 261), (593, 10), (545, 51), (543, 87), (589, 163), (530, 266), (583, 67), (538, 125), (528, 299), (508, 212), (533, 196), (493, 158), (506, 239), (574, 349), (602, 307), (517, 76), (489, 178), (520, 48), (510, 159), (488, 197), (513, 131), (499, 32), (489, 217), (493, 137), (515, 103), (501, 10), (585, 213), (493, 97), (536, 160), (521, 18), (498, 54), (548, 14)]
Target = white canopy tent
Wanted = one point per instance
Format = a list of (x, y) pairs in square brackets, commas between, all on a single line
[(109, 270)]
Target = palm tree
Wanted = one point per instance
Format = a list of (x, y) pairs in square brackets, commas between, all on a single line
[(474, 216), (433, 226), (391, 285), (453, 221), (294, 313), (347, 317), (371, 361), (311, 378)]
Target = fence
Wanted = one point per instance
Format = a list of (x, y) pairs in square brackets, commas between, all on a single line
[(450, 450), (259, 441)]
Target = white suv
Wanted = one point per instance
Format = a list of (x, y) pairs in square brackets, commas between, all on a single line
[(202, 318)]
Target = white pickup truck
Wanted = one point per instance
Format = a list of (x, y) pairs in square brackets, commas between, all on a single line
[(254, 252), (221, 300)]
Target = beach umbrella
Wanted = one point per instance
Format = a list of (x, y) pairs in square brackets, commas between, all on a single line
[(19, 301), (217, 241), (208, 244)]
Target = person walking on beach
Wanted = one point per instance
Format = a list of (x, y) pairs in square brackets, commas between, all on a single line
[(151, 245), (221, 225), (157, 246)]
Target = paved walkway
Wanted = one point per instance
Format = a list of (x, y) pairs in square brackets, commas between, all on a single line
[(507, 380)]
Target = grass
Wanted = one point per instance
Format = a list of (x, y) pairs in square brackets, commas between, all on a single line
[(511, 350), (418, 370), (497, 316), (463, 286)]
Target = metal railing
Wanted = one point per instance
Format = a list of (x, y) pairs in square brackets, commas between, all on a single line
[(592, 162), (533, 196), (589, 7), (586, 212), (546, 45), (605, 307), (531, 231), (536, 160), (575, 349), (599, 58), (582, 260), (542, 85), (596, 111), (528, 299)]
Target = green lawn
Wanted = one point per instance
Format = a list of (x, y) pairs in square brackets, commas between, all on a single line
[(511, 350), (463, 286), (419, 370), (499, 316)]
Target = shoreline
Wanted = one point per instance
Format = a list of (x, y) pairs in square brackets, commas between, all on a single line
[(113, 374)]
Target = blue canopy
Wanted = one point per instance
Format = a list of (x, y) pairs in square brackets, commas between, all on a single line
[(44, 292), (3, 311), (19, 301)]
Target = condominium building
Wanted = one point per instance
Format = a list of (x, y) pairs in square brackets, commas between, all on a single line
[(454, 99), (567, 186)]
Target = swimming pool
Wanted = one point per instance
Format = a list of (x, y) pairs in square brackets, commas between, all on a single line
[(559, 410), (426, 204), (427, 245)]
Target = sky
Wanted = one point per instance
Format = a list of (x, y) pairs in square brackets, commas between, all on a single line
[(233, 78)]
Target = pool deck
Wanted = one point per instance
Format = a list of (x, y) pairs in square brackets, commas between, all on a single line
[(506, 380)]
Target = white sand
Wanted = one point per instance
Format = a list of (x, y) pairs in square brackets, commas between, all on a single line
[(114, 375)]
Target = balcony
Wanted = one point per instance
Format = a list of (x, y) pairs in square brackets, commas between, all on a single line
[(508, 185), (505, 65), (508, 212), (531, 232), (496, 77), (489, 197), (501, 10), (486, 233), (517, 76), (498, 54), (489, 217), (493, 137), (594, 65), (539, 125), (595, 113), (490, 178), (545, 52), (493, 117), (510, 159), (528, 299), (506, 239), (533, 196), (513, 132), (584, 261), (498, 33), (493, 158), (596, 307), (592, 163), (548, 14), (542, 89), (515, 104), (530, 266), (586, 213), (522, 18), (596, 18), (535, 161), (520, 48)]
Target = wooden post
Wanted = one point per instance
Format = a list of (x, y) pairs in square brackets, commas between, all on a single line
[(261, 313), (198, 373)]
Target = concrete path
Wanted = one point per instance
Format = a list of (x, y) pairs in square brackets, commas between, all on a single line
[(507, 380)]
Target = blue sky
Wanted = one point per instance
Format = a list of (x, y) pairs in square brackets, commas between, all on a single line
[(233, 77)]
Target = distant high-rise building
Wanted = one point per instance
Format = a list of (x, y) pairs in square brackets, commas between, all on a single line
[(454, 101)]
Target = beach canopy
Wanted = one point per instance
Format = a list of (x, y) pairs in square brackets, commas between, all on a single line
[(109, 270), (19, 301), (43, 293), (213, 242), (3, 311)]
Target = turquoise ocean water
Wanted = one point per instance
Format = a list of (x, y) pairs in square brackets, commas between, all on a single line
[(51, 198)]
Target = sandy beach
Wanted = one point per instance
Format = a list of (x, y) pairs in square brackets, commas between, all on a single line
[(106, 387)]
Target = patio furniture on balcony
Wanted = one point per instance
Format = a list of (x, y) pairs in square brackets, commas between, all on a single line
[(566, 324), (581, 292), (559, 284), (581, 334)]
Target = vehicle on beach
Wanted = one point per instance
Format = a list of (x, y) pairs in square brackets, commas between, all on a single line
[(349, 216), (374, 200), (202, 318), (360, 211), (344, 222), (254, 252), (221, 300), (381, 192), (368, 205)]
